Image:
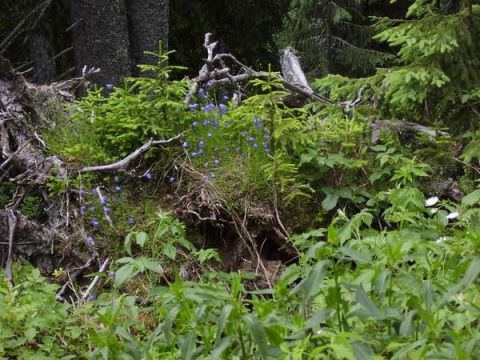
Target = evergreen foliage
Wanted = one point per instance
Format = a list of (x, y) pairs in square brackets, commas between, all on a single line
[(435, 73), (333, 37)]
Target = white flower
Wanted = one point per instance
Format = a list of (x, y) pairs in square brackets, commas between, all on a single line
[(431, 201), (441, 239), (433, 210), (453, 215)]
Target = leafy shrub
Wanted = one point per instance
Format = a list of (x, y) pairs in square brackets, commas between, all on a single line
[(31, 319)]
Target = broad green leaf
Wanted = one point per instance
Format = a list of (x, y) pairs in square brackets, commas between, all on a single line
[(406, 327), (368, 304), (312, 284), (153, 265), (140, 238), (128, 243), (333, 237), (342, 351), (470, 275), (472, 272), (361, 351), (274, 334), (405, 350), (169, 251), (358, 257), (382, 282), (472, 198), (30, 333), (187, 346), (318, 318), (222, 321), (427, 294), (158, 291), (123, 274), (258, 333), (330, 201), (220, 348)]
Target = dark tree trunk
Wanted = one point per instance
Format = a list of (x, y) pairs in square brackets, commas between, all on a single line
[(114, 34), (41, 54), (148, 24), (101, 39)]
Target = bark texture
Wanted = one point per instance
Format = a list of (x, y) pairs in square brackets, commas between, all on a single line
[(101, 39), (148, 24), (114, 34), (24, 169)]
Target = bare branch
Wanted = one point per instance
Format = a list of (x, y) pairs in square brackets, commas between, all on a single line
[(95, 280), (399, 126), (70, 83), (12, 224), (123, 164), (349, 105)]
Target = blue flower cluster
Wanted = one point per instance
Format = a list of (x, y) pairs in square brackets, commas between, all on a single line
[(98, 203), (259, 134), (214, 139)]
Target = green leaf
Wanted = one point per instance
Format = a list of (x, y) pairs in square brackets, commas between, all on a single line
[(153, 265), (30, 333), (404, 351), (356, 256), (318, 318), (222, 321), (472, 198), (342, 351), (123, 274), (361, 351), (128, 243), (158, 291), (470, 275), (259, 336), (406, 327), (310, 286), (368, 304), (427, 294), (169, 251), (382, 282), (140, 238), (220, 348), (188, 346), (330, 201), (274, 334)]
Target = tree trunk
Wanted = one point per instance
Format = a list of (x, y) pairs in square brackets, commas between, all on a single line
[(101, 39), (114, 34), (148, 24)]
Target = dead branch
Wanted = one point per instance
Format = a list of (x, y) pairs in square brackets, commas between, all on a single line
[(75, 82), (292, 70), (12, 223), (380, 126), (219, 74), (95, 280), (350, 105), (123, 164), (77, 272)]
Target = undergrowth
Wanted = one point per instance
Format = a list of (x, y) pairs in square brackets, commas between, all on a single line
[(383, 266)]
